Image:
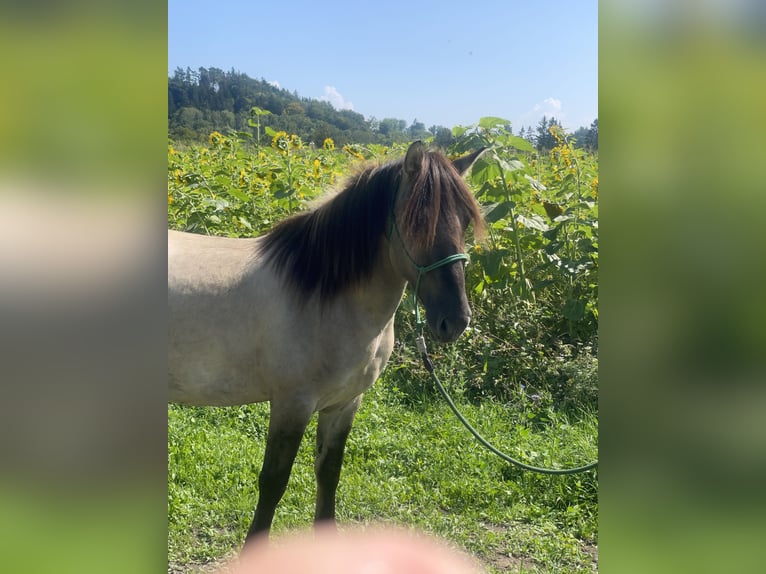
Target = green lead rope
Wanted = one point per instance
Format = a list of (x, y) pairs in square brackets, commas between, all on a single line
[(421, 344)]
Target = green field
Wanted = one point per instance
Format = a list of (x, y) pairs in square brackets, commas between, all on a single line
[(408, 463)]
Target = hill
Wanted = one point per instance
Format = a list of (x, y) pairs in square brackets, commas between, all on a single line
[(209, 99)]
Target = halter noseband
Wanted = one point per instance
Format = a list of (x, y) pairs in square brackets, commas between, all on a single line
[(421, 269)]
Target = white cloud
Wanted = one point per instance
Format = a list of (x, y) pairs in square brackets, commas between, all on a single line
[(548, 105), (332, 95), (553, 103), (273, 83)]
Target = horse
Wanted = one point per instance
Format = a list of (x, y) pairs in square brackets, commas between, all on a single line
[(303, 316)]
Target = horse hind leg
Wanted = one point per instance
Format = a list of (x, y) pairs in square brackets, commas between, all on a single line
[(286, 428), (332, 431)]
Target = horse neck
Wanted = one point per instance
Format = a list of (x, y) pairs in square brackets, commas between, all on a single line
[(379, 296)]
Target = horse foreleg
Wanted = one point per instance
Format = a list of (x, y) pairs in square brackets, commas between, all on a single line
[(286, 428), (332, 431)]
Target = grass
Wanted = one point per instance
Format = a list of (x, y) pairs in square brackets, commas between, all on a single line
[(408, 463)]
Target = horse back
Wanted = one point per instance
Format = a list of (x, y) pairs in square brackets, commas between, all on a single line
[(215, 299)]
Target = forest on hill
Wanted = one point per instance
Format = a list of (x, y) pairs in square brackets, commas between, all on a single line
[(209, 99)]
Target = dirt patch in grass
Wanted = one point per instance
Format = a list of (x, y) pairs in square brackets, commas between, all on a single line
[(506, 562), (223, 565), (513, 562), (592, 550), (510, 563)]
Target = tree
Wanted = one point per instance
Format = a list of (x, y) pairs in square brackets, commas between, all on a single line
[(544, 140), (393, 128), (587, 137), (444, 137), (591, 139), (417, 130), (294, 108)]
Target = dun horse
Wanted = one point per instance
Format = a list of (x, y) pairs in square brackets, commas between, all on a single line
[(303, 317)]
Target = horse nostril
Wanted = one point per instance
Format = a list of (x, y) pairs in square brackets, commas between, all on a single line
[(451, 329), (443, 328)]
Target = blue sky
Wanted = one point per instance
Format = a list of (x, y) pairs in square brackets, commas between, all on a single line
[(437, 61)]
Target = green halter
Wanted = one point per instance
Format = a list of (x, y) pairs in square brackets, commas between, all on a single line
[(421, 269)]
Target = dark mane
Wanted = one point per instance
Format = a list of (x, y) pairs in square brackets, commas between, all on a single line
[(337, 245)]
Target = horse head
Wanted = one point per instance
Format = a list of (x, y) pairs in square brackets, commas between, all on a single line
[(432, 209)]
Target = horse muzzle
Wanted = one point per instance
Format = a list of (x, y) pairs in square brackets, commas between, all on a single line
[(447, 329)]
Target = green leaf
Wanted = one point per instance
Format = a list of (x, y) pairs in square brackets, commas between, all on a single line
[(519, 143), (270, 131), (574, 309), (239, 194), (485, 169), (491, 262), (458, 131), (499, 211), (218, 203), (483, 189), (245, 222), (533, 222), (511, 165), (259, 112), (535, 183), (492, 122), (283, 192)]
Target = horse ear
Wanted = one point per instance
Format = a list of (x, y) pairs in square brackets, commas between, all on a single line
[(463, 164), (414, 159)]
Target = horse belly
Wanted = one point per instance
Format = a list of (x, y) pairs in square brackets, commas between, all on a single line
[(214, 356), (213, 377)]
